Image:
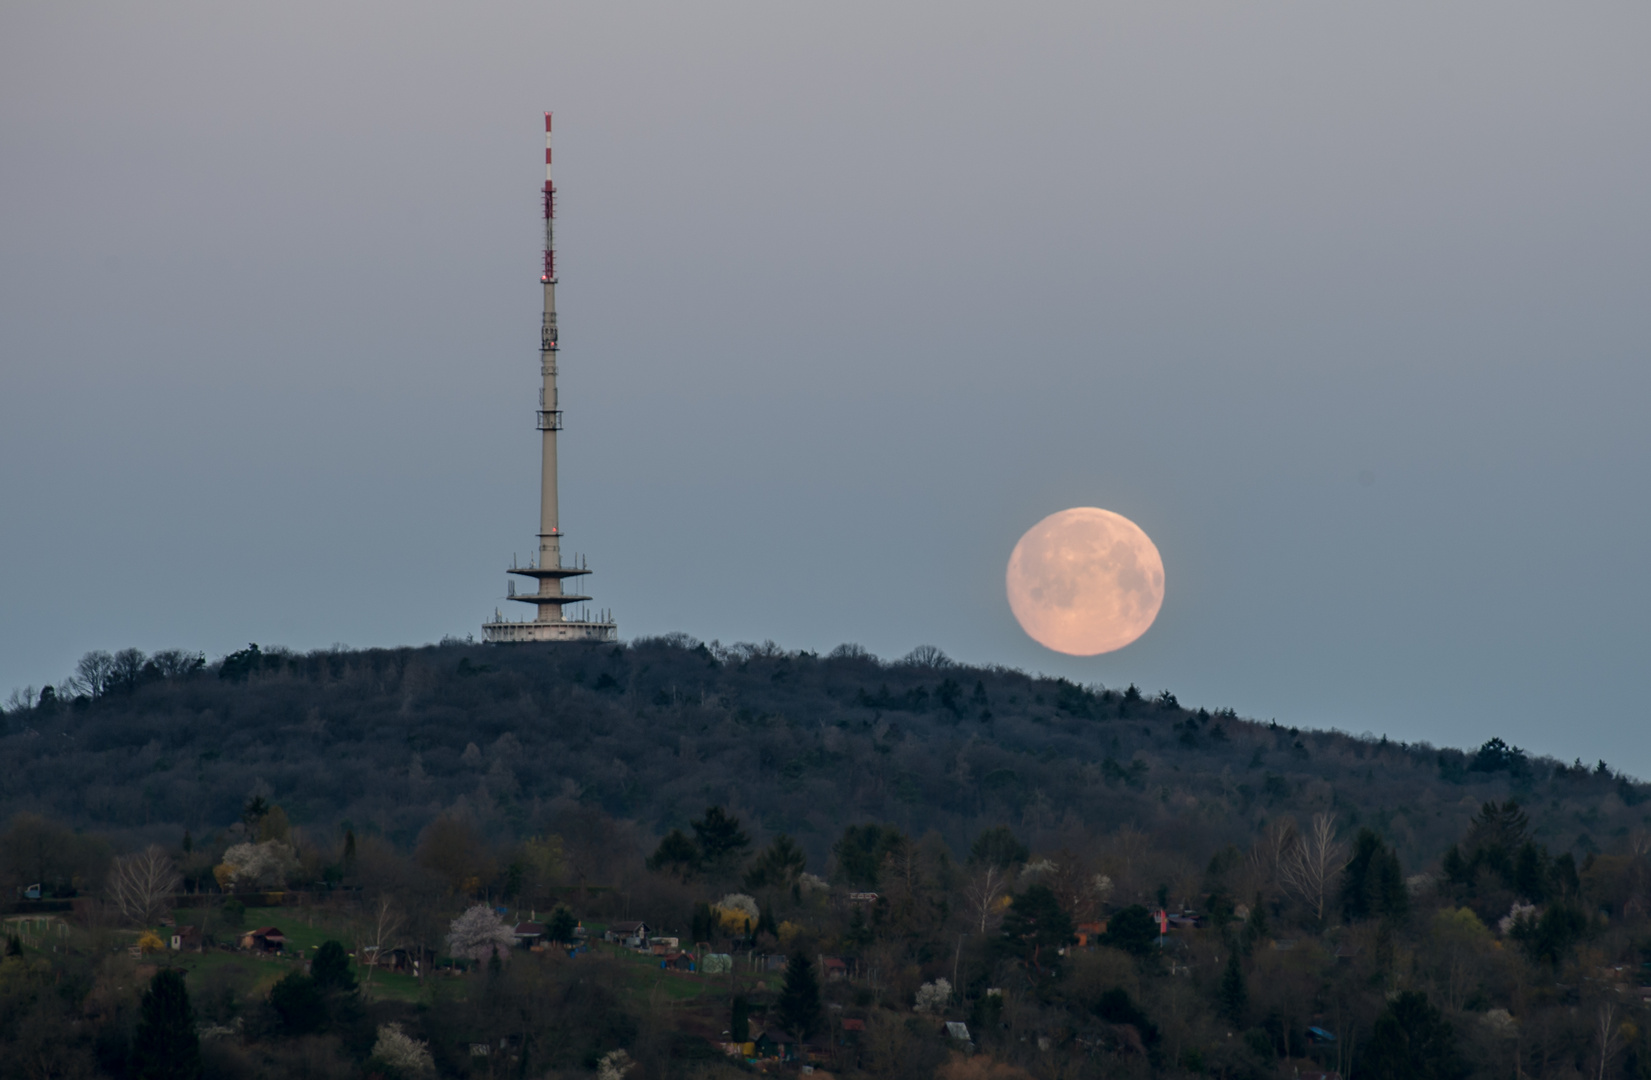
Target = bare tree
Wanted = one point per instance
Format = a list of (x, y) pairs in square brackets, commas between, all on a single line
[(1310, 865), (142, 885), (927, 656), (21, 700), (387, 921), (984, 892), (172, 663), (93, 673), (1606, 1030), (126, 670)]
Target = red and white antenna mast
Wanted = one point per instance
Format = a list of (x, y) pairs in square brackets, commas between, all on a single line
[(550, 212), (552, 623)]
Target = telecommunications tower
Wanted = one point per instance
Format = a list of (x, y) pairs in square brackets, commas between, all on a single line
[(552, 622)]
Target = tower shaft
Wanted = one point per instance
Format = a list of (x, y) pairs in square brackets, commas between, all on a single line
[(551, 622)]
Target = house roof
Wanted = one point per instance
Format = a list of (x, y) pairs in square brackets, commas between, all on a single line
[(271, 932), (833, 962), (854, 1025), (529, 929)]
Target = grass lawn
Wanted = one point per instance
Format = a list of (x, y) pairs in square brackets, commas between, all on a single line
[(645, 975), (305, 931)]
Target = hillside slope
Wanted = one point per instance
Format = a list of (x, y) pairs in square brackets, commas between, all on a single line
[(656, 730)]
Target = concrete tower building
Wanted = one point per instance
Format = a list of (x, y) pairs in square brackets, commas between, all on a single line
[(552, 622)]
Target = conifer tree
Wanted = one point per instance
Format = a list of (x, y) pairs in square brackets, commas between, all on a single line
[(799, 1005), (165, 1046), (331, 968), (1234, 995)]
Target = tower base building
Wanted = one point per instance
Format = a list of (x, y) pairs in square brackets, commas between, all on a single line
[(547, 571)]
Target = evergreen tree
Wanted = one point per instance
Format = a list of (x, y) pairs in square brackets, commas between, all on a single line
[(1565, 880), (1234, 995), (780, 865), (739, 1024), (165, 1046), (998, 847), (1457, 871), (720, 839), (799, 1005), (298, 1001), (331, 968), (676, 854), (766, 924), (1036, 928), (1255, 925), (1133, 930), (861, 851), (561, 925), (1372, 884), (1412, 1041), (704, 922), (1115, 1007), (1530, 873)]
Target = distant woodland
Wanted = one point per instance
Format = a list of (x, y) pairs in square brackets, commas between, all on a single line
[(975, 845)]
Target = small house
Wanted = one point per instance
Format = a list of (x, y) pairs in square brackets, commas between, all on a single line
[(529, 934), (835, 968), (186, 939), (774, 1044), (677, 961), (1089, 933), (633, 934), (268, 939)]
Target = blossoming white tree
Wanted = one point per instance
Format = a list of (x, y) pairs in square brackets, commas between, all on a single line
[(403, 1053), (257, 866), (478, 932), (932, 996)]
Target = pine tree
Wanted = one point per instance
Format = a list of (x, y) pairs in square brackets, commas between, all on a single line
[(799, 1005), (1036, 927), (331, 968), (1255, 927), (676, 854), (165, 1046), (1234, 995), (1412, 1040), (720, 839), (561, 926), (739, 1024)]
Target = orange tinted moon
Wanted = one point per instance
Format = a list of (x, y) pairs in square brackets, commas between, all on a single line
[(1085, 581)]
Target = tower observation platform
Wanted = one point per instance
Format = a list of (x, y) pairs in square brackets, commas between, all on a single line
[(547, 571)]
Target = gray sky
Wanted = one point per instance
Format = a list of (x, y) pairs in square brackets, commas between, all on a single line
[(1345, 305)]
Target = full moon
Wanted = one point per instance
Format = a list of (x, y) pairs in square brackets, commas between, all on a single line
[(1085, 581)]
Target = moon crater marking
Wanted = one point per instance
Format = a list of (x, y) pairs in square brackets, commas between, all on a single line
[(1085, 581)]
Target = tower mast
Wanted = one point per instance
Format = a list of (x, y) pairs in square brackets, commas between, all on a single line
[(551, 623)]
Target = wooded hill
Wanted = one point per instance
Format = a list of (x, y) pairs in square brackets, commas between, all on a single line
[(650, 733), (972, 846)]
